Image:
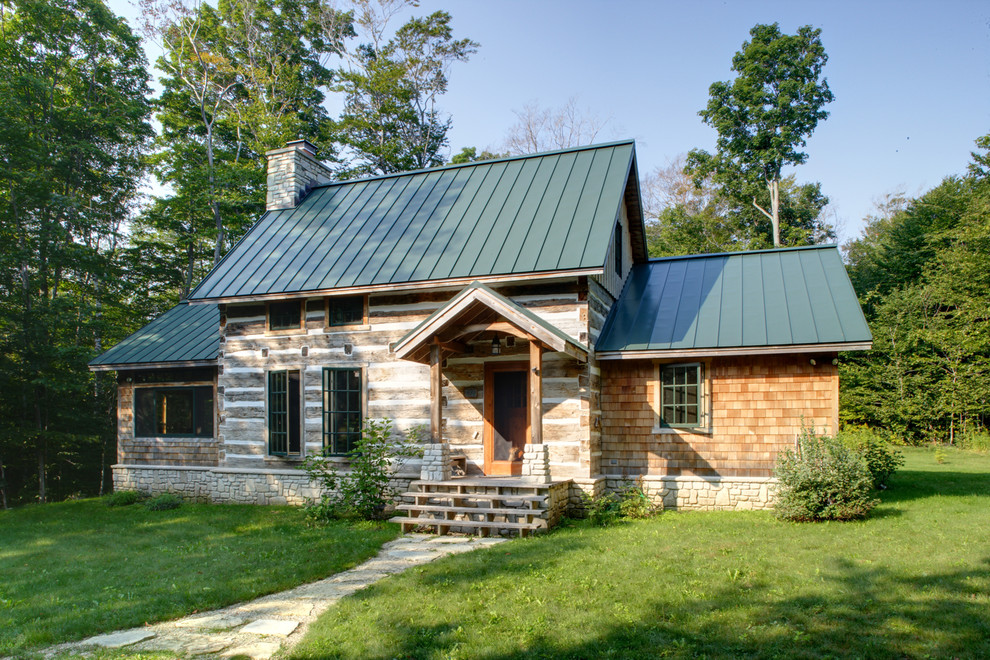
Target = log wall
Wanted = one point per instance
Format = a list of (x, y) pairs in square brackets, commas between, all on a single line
[(758, 405), (399, 389)]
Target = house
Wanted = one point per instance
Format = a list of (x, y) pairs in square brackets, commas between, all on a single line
[(509, 309)]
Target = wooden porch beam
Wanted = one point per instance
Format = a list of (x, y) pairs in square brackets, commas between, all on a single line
[(436, 394), (452, 346), (496, 326), (536, 393)]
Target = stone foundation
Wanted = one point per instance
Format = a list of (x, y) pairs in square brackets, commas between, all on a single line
[(703, 493), (225, 485), (247, 486)]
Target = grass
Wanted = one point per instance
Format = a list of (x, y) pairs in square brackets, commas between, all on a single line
[(75, 569), (911, 581)]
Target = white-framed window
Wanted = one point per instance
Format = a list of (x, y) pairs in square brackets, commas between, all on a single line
[(682, 398)]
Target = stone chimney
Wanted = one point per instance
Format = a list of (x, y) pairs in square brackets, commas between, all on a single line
[(292, 171)]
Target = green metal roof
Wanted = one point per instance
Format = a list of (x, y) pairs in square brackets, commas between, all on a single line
[(184, 334), (784, 297), (546, 212)]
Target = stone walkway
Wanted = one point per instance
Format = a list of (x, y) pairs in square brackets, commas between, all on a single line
[(258, 628)]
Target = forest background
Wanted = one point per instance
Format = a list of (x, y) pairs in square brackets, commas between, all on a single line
[(86, 258)]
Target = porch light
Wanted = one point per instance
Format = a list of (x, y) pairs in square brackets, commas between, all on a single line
[(496, 347)]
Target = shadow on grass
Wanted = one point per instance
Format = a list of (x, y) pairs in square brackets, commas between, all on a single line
[(943, 615), (907, 485)]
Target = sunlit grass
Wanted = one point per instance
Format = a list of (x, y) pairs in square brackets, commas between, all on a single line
[(911, 581), (75, 569)]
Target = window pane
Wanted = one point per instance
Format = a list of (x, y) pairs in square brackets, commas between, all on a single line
[(681, 395), (341, 409), (204, 412), (175, 412), (144, 412), (285, 315), (348, 310)]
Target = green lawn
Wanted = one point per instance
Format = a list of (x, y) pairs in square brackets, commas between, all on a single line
[(75, 569), (912, 581)]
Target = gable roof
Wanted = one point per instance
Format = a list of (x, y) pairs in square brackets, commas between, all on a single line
[(543, 213), (784, 300), (186, 335), (477, 307)]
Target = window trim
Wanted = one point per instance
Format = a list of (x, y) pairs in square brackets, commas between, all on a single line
[(362, 404), (285, 331), (173, 386), (362, 325), (704, 424), (302, 415)]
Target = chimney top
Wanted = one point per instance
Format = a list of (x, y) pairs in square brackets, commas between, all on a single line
[(303, 145)]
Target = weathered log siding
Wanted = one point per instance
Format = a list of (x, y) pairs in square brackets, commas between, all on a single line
[(394, 388), (758, 405)]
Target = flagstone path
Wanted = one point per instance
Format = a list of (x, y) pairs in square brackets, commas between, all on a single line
[(258, 628)]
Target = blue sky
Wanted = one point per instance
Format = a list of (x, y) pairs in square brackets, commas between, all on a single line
[(911, 80)]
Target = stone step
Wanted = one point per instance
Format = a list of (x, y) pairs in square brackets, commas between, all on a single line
[(502, 511)]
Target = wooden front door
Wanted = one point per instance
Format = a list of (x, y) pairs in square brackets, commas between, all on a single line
[(506, 416)]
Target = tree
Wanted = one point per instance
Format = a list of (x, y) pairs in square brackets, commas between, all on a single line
[(471, 155), (391, 120), (73, 128), (685, 215), (547, 129), (765, 115)]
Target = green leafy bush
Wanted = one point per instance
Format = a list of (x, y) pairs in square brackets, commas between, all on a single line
[(365, 490), (978, 440), (123, 498), (164, 502), (882, 459), (822, 479), (629, 502)]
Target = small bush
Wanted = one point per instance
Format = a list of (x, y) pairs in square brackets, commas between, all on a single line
[(939, 455), (882, 460), (364, 491), (123, 498), (822, 479), (978, 440), (163, 502), (630, 502)]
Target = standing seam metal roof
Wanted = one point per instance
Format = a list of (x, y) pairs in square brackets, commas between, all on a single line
[(539, 213), (791, 296), (185, 333)]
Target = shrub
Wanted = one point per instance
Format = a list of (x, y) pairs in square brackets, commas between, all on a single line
[(822, 479), (882, 460), (163, 502), (629, 502), (123, 498), (978, 440), (364, 491)]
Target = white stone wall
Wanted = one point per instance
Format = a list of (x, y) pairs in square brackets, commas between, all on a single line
[(223, 485), (704, 493)]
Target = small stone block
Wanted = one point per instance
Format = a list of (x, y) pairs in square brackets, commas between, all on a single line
[(271, 627), (217, 621), (119, 639)]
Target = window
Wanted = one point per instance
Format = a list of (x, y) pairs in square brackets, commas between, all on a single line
[(173, 411), (284, 433), (341, 410), (285, 315), (618, 249), (682, 395), (346, 310)]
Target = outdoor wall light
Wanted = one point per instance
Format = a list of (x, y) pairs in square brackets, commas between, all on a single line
[(496, 347)]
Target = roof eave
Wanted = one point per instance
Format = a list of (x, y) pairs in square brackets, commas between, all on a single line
[(653, 354), (393, 287), (132, 366)]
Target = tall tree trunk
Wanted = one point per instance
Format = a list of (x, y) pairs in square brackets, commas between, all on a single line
[(775, 211), (3, 484)]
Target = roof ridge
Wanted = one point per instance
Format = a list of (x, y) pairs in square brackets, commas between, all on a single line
[(505, 159), (706, 255)]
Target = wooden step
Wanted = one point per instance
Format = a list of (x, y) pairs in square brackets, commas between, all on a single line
[(483, 528), (488, 497), (442, 508)]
